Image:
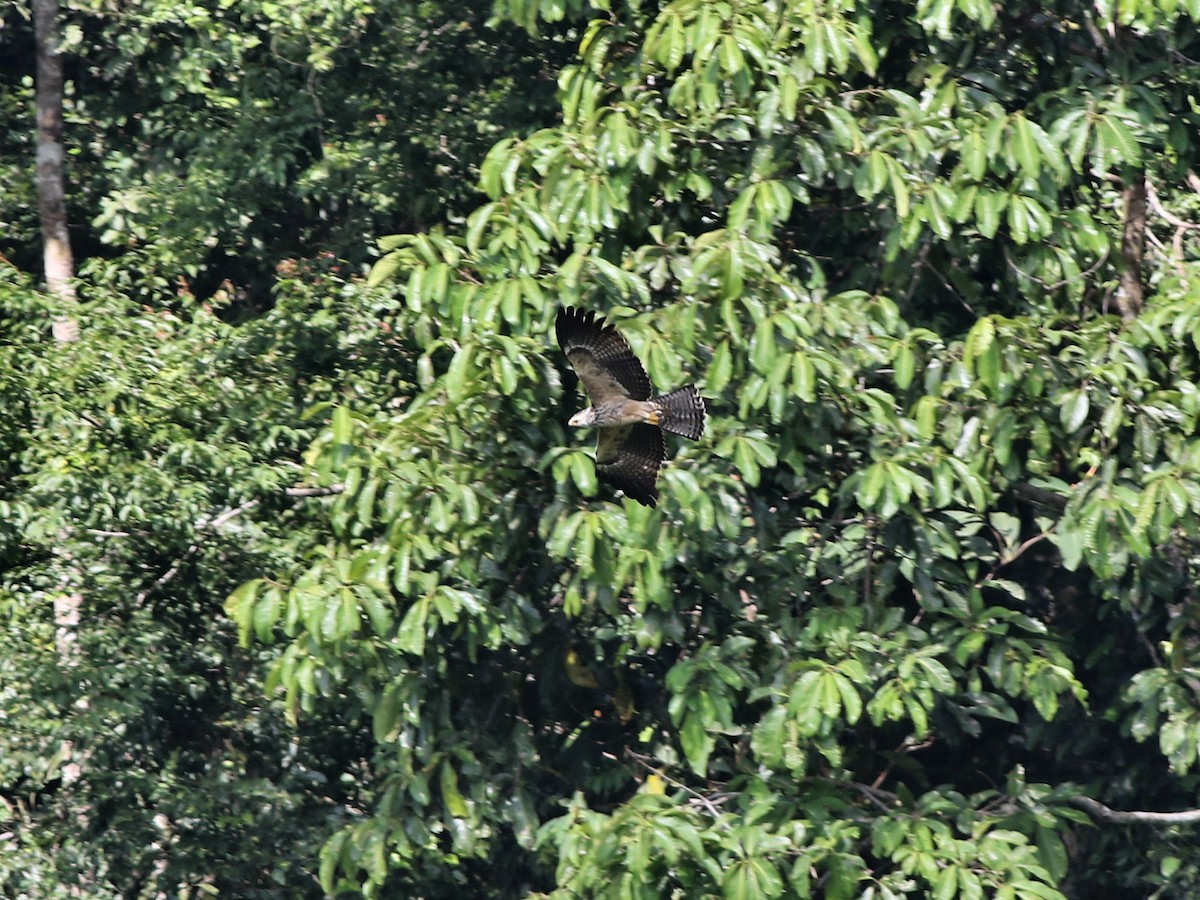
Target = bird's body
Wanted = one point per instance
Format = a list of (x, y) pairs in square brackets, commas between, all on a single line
[(630, 447)]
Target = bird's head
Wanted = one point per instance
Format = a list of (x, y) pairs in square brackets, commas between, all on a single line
[(583, 418)]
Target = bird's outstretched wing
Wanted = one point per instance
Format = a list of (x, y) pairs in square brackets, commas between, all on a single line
[(629, 458), (600, 357)]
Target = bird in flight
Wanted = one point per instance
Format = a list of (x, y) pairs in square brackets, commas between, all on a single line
[(630, 422)]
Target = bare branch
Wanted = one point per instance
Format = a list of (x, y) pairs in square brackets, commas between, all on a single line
[(1156, 205), (1021, 548), (646, 762), (1090, 270), (875, 795), (315, 491), (1098, 810)]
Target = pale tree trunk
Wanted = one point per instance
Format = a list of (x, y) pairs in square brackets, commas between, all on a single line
[(60, 270), (52, 203)]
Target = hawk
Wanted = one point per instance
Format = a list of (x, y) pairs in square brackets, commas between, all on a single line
[(629, 446)]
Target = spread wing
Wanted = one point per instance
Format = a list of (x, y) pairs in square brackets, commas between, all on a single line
[(629, 457), (600, 357)]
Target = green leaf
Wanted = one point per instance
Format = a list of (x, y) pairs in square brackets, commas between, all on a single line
[(240, 606), (720, 369), (342, 424), (378, 611), (697, 743), (1073, 410), (905, 366), (410, 637), (451, 796), (988, 207), (1025, 145), (974, 155)]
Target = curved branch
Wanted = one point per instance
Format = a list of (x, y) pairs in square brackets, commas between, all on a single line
[(1163, 212), (1098, 810)]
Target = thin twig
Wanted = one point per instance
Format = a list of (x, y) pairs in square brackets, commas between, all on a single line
[(1091, 270), (874, 794), (644, 762)]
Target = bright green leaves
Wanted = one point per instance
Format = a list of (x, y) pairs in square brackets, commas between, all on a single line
[(881, 170), (737, 42), (1161, 707), (1030, 150), (1073, 409), (835, 43), (406, 252), (701, 691), (331, 610), (911, 692), (723, 261), (752, 871), (529, 14), (648, 847), (750, 452), (579, 468), (585, 537), (1026, 218), (825, 696), (1105, 135), (760, 208), (667, 39), (916, 439), (410, 637), (885, 487), (255, 607), (978, 857), (937, 16)]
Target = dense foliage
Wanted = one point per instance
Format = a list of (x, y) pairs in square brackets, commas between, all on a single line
[(211, 140), (912, 620)]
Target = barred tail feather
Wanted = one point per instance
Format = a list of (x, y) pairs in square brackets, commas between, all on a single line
[(682, 412)]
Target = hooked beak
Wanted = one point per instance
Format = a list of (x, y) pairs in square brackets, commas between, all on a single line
[(579, 419)]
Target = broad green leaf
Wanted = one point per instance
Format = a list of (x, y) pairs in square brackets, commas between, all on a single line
[(1073, 409)]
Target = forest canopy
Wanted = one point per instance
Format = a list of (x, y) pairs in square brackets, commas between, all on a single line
[(310, 590)]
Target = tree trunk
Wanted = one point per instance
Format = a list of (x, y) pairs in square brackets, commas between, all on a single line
[(1133, 248), (59, 270), (52, 205)]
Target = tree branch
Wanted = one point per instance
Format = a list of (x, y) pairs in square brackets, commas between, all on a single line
[(647, 763), (1160, 210), (1040, 496), (1098, 810)]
